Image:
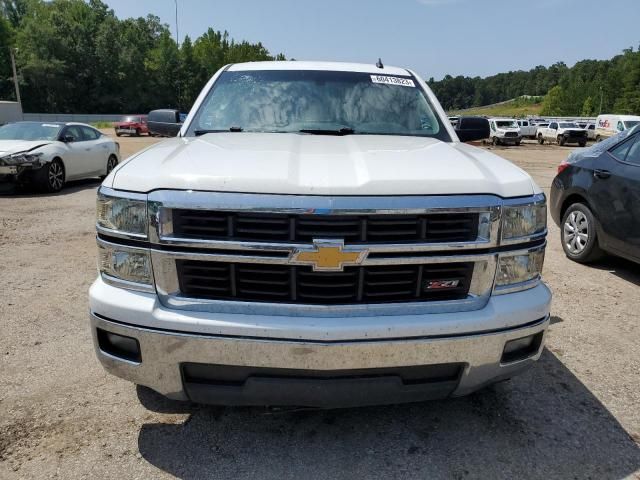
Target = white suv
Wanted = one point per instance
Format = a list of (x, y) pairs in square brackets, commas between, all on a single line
[(317, 235)]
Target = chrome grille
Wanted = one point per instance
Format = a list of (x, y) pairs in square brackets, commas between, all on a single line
[(275, 227), (297, 284)]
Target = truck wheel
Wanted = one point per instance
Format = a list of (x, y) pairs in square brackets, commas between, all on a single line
[(598, 138), (560, 140), (50, 178), (118, 134), (578, 234), (518, 142), (540, 139), (495, 141), (137, 132), (582, 144)]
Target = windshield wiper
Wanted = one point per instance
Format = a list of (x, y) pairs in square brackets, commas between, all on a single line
[(230, 129), (323, 131)]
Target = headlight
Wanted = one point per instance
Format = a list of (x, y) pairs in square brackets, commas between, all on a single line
[(521, 221), (20, 158), (519, 271), (122, 215), (125, 266)]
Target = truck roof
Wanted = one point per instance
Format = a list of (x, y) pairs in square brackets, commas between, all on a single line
[(328, 66)]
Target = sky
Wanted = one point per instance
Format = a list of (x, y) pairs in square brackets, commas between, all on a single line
[(432, 37)]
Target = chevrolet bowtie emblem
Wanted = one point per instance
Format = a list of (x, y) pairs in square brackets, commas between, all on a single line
[(328, 255)]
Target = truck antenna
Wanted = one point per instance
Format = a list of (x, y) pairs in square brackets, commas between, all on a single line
[(379, 64)]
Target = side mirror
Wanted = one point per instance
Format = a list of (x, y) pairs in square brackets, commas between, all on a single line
[(68, 138), (164, 122), (472, 128)]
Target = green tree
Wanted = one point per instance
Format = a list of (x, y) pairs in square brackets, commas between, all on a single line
[(588, 109), (553, 102)]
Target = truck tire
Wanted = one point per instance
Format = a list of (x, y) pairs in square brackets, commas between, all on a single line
[(583, 144), (518, 143), (51, 177), (560, 140), (598, 138), (137, 132), (540, 139), (495, 141), (582, 246)]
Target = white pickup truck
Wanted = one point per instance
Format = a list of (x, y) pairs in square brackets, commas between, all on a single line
[(562, 133), (318, 235), (527, 128)]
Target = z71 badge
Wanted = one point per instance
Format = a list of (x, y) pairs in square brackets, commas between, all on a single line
[(441, 284)]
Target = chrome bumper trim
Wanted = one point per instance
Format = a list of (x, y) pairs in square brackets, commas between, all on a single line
[(163, 352)]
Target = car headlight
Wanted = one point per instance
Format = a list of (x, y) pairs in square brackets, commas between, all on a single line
[(21, 158), (125, 267), (122, 215), (522, 221), (519, 271)]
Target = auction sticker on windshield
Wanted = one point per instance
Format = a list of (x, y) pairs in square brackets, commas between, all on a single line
[(404, 82)]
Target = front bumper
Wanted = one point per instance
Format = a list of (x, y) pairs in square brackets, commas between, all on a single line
[(318, 362)]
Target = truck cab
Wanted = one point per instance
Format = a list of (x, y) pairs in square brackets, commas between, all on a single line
[(319, 235)]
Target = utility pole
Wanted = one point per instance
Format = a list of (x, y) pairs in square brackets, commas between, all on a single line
[(177, 31), (178, 45), (15, 77)]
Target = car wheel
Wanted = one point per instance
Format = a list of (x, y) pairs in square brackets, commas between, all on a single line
[(598, 139), (578, 234), (112, 163), (540, 139), (495, 141), (560, 140), (51, 177), (118, 134)]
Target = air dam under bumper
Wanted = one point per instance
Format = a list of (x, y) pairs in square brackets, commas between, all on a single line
[(205, 368)]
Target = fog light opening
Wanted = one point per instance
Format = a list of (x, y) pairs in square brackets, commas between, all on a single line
[(521, 348), (126, 348)]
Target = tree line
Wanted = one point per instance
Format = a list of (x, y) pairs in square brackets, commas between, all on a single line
[(586, 89), (78, 57)]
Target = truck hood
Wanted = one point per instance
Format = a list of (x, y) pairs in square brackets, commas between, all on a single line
[(8, 147), (304, 164)]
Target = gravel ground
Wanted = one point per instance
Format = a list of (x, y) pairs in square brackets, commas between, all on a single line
[(576, 414)]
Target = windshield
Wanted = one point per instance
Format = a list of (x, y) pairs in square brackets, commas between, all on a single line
[(130, 119), (317, 102), (506, 124), (30, 131), (568, 125), (631, 123)]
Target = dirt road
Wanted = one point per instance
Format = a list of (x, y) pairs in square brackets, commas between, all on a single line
[(576, 414)]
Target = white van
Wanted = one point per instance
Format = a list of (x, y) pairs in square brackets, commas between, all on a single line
[(505, 131), (609, 125)]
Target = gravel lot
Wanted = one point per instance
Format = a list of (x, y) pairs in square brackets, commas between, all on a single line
[(576, 414)]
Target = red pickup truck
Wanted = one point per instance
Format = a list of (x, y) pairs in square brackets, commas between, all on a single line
[(132, 125)]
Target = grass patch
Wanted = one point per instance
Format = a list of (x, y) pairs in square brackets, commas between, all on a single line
[(518, 107), (102, 124)]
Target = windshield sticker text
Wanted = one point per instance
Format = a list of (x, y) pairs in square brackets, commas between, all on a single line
[(404, 82)]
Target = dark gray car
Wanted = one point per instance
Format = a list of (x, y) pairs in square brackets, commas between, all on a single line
[(595, 199)]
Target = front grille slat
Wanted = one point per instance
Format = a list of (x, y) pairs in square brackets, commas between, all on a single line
[(300, 284), (353, 229)]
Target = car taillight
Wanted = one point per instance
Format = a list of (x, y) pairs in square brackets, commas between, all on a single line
[(562, 167)]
